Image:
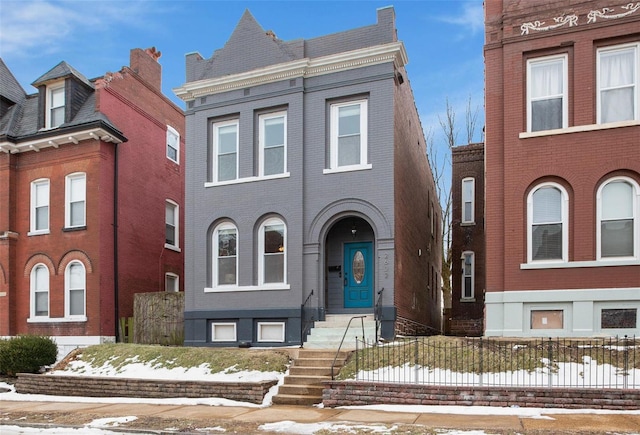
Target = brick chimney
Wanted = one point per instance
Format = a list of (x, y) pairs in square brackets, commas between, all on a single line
[(145, 64)]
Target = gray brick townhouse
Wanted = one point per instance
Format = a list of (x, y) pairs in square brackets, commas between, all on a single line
[(308, 190)]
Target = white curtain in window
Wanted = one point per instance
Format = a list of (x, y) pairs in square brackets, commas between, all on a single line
[(617, 200), (546, 79), (617, 71)]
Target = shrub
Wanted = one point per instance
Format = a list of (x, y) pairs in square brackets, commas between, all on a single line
[(26, 354)]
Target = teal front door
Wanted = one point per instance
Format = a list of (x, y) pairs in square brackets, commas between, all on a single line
[(358, 275)]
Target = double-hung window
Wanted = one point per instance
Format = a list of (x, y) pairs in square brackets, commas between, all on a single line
[(468, 193), (273, 143), (272, 241), (173, 144), (618, 218), (171, 224), (171, 283), (618, 82), (348, 136), (75, 200), (40, 207), (468, 271), (75, 290), (547, 232), (40, 291), (225, 255), (55, 106), (225, 151), (547, 88)]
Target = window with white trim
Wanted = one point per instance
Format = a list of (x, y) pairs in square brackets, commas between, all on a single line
[(273, 143), (547, 93), (618, 215), (271, 332), (547, 223), (225, 151), (171, 224), (272, 243), (223, 331), (55, 106), (171, 283), (40, 291), (75, 290), (468, 196), (468, 275), (173, 144), (40, 206), (75, 200), (618, 81), (225, 255), (348, 135)]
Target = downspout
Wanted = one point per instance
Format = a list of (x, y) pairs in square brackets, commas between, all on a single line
[(115, 245)]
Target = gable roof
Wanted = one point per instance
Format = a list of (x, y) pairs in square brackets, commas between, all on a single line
[(60, 71), (10, 89)]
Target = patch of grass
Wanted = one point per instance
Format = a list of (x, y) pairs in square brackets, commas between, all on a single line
[(219, 359)]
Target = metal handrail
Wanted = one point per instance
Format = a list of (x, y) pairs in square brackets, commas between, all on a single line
[(342, 341), (304, 324), (377, 313)]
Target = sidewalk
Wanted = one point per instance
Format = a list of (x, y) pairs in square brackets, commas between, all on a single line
[(81, 414)]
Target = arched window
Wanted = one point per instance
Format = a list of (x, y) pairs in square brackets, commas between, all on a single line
[(75, 290), (547, 223), (618, 218), (225, 255), (272, 244), (40, 291)]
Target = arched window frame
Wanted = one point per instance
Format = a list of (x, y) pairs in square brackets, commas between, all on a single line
[(470, 199), (215, 255), (39, 287), (635, 207), (564, 221), (261, 252), (68, 289)]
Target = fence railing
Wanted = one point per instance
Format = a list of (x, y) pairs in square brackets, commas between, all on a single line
[(557, 362)]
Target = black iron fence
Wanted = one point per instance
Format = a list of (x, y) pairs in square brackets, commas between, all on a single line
[(557, 362)]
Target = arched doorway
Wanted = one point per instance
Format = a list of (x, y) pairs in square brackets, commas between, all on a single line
[(349, 280)]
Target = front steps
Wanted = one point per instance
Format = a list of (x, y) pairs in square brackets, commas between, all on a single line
[(329, 333), (303, 385)]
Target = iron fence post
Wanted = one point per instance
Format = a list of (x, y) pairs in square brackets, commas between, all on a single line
[(481, 374)]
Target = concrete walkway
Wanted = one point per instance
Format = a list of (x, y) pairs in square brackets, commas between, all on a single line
[(553, 423)]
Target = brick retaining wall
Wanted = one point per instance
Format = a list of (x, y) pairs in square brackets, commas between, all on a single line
[(252, 392), (369, 393)]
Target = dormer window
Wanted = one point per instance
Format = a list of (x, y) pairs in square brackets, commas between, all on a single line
[(55, 106)]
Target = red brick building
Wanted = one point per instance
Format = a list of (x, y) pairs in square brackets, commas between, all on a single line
[(91, 201), (562, 167), (467, 240)]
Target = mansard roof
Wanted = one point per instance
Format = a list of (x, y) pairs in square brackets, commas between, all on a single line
[(10, 89)]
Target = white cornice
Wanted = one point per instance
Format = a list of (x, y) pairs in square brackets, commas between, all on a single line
[(306, 67), (61, 139)]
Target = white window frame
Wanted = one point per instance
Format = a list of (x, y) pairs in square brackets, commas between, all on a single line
[(262, 325), (470, 200), (472, 276), (34, 206), (564, 221), (173, 142), (636, 80), (68, 289), (215, 255), (176, 226), (636, 219), (34, 290), (175, 279), (261, 253), (225, 325), (333, 151), (565, 88), (262, 141), (68, 200), (51, 89), (215, 154)]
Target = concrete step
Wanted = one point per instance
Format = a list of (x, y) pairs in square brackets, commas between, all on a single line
[(292, 399), (305, 380), (309, 371), (301, 390), (322, 353), (342, 320), (317, 362)]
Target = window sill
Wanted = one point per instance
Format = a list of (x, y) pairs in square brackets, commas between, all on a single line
[(246, 180), (465, 300), (580, 264), (347, 169), (247, 288), (56, 319), (172, 247), (579, 129), (467, 224), (71, 229), (37, 233)]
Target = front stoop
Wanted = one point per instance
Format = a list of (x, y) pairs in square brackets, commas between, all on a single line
[(303, 385)]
